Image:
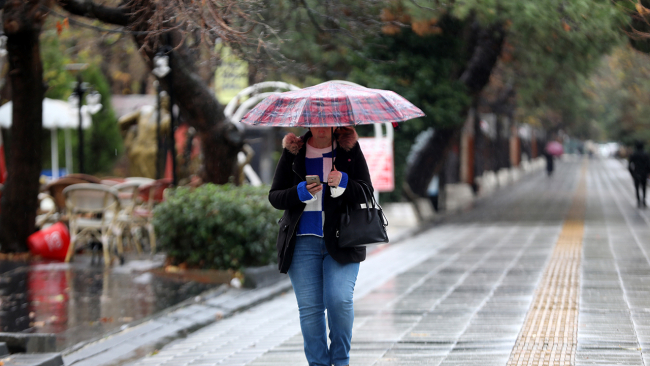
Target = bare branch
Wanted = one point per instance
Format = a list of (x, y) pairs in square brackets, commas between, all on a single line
[(87, 8), (310, 13), (422, 6)]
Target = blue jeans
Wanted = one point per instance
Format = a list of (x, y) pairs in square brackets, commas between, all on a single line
[(322, 283)]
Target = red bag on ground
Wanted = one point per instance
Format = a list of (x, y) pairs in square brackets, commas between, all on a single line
[(52, 242)]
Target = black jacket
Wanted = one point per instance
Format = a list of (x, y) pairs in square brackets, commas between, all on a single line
[(284, 194), (639, 165)]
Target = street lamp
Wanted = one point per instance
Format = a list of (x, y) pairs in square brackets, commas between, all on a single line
[(162, 69), (93, 105), (159, 152)]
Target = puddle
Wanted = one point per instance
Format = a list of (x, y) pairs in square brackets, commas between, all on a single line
[(80, 301)]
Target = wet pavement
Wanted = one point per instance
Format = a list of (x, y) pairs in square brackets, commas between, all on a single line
[(79, 301), (459, 293), (614, 323)]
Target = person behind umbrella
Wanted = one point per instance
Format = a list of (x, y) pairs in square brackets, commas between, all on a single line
[(549, 162), (322, 274), (639, 167)]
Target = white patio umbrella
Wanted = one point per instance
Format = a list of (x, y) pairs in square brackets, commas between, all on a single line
[(56, 114)]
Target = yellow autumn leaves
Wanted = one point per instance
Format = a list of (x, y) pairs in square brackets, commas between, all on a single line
[(394, 19), (642, 10)]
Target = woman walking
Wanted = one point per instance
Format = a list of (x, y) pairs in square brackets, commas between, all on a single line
[(322, 274), (639, 167)]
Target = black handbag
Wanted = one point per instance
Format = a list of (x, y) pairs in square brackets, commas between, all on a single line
[(362, 226)]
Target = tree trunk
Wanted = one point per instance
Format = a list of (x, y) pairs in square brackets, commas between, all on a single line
[(22, 24), (486, 46), (501, 161), (220, 139), (429, 160), (479, 145)]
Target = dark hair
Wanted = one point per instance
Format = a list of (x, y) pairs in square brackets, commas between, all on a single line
[(639, 145)]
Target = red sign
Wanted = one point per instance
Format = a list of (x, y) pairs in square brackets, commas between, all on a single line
[(379, 156)]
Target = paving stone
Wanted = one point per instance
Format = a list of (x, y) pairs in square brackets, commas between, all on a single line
[(458, 294)]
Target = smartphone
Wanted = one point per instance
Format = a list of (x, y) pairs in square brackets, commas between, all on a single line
[(312, 179)]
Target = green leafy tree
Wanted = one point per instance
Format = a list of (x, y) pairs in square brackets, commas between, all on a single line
[(619, 97), (418, 68), (551, 63), (103, 143), (546, 44), (313, 39)]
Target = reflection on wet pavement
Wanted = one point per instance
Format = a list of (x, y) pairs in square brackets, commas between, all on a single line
[(78, 301), (14, 307)]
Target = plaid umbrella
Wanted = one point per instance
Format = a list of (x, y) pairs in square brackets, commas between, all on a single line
[(331, 104)]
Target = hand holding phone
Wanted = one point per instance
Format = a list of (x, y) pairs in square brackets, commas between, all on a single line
[(313, 184), (312, 179)]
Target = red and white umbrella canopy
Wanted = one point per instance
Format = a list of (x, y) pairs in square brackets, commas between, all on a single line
[(331, 104)]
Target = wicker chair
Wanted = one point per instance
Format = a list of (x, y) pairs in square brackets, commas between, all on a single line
[(128, 193), (150, 194), (55, 189), (47, 212), (141, 180), (92, 210), (86, 177)]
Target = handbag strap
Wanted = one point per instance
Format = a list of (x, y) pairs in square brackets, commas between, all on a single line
[(373, 200), (365, 199), (364, 187)]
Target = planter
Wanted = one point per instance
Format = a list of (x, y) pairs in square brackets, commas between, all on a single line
[(211, 276), (253, 277)]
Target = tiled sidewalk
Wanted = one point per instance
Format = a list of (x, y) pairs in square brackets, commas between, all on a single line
[(614, 322), (458, 294)]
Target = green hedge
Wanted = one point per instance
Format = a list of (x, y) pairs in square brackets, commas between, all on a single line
[(217, 226)]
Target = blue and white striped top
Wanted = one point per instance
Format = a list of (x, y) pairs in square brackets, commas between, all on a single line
[(317, 162)]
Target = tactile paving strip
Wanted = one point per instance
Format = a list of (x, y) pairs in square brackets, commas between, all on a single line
[(550, 332)]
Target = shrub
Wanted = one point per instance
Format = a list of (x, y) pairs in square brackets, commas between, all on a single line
[(218, 226)]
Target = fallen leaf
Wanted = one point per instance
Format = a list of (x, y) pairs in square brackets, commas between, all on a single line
[(172, 269)]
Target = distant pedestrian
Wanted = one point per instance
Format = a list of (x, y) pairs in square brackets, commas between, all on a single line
[(639, 167), (322, 274), (549, 163), (553, 148)]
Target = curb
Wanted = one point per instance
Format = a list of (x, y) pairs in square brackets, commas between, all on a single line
[(157, 330), (164, 327)]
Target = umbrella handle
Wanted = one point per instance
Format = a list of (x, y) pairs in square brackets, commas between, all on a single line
[(333, 157)]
